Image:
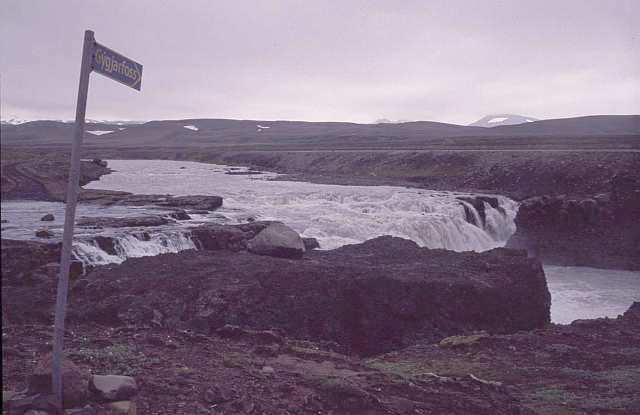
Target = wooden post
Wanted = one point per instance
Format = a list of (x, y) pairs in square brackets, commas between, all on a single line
[(69, 218)]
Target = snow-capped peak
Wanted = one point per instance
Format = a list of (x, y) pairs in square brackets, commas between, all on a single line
[(502, 119)]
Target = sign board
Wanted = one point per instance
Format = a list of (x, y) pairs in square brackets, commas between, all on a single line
[(117, 67)]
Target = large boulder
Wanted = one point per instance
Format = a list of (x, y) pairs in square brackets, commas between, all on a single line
[(277, 240), (214, 237), (369, 298), (113, 387)]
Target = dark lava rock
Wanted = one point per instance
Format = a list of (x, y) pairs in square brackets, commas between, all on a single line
[(39, 404), (179, 215), (243, 173), (377, 296), (310, 243), (75, 381), (29, 278), (106, 243), (213, 237), (277, 240), (44, 233), (126, 222), (99, 162), (110, 197), (20, 257), (595, 362), (193, 202), (602, 232), (48, 218)]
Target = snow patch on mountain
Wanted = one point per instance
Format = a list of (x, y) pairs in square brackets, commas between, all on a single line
[(495, 120)]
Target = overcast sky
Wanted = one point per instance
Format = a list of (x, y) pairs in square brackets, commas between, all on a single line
[(450, 61)]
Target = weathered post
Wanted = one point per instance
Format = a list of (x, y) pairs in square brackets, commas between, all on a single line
[(124, 70), (69, 217)]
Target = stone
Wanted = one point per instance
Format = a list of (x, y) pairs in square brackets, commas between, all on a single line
[(75, 381), (277, 240), (213, 237), (268, 369), (179, 215), (113, 387), (44, 233), (461, 341), (86, 410), (48, 218), (310, 243), (217, 394), (99, 162), (123, 407), (23, 403)]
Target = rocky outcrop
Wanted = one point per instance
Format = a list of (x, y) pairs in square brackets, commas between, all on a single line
[(377, 296), (178, 203), (277, 240), (603, 231), (29, 275), (43, 176), (589, 366), (48, 218), (214, 237), (124, 222)]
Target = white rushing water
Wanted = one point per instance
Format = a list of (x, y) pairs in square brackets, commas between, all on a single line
[(335, 215)]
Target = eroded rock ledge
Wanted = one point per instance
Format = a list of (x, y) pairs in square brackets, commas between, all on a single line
[(368, 298), (602, 231)]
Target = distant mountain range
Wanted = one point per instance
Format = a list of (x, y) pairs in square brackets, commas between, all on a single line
[(496, 120), (260, 133)]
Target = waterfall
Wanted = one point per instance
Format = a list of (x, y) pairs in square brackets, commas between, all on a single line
[(132, 245)]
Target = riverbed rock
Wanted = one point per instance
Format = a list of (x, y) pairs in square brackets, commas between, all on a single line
[(99, 162), (277, 240), (44, 233), (369, 298), (124, 222), (48, 218), (197, 202), (310, 243), (214, 237), (113, 387), (75, 381), (179, 214)]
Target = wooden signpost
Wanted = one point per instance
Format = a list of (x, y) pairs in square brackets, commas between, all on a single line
[(105, 61)]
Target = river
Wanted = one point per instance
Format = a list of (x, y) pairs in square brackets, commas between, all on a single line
[(334, 214)]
